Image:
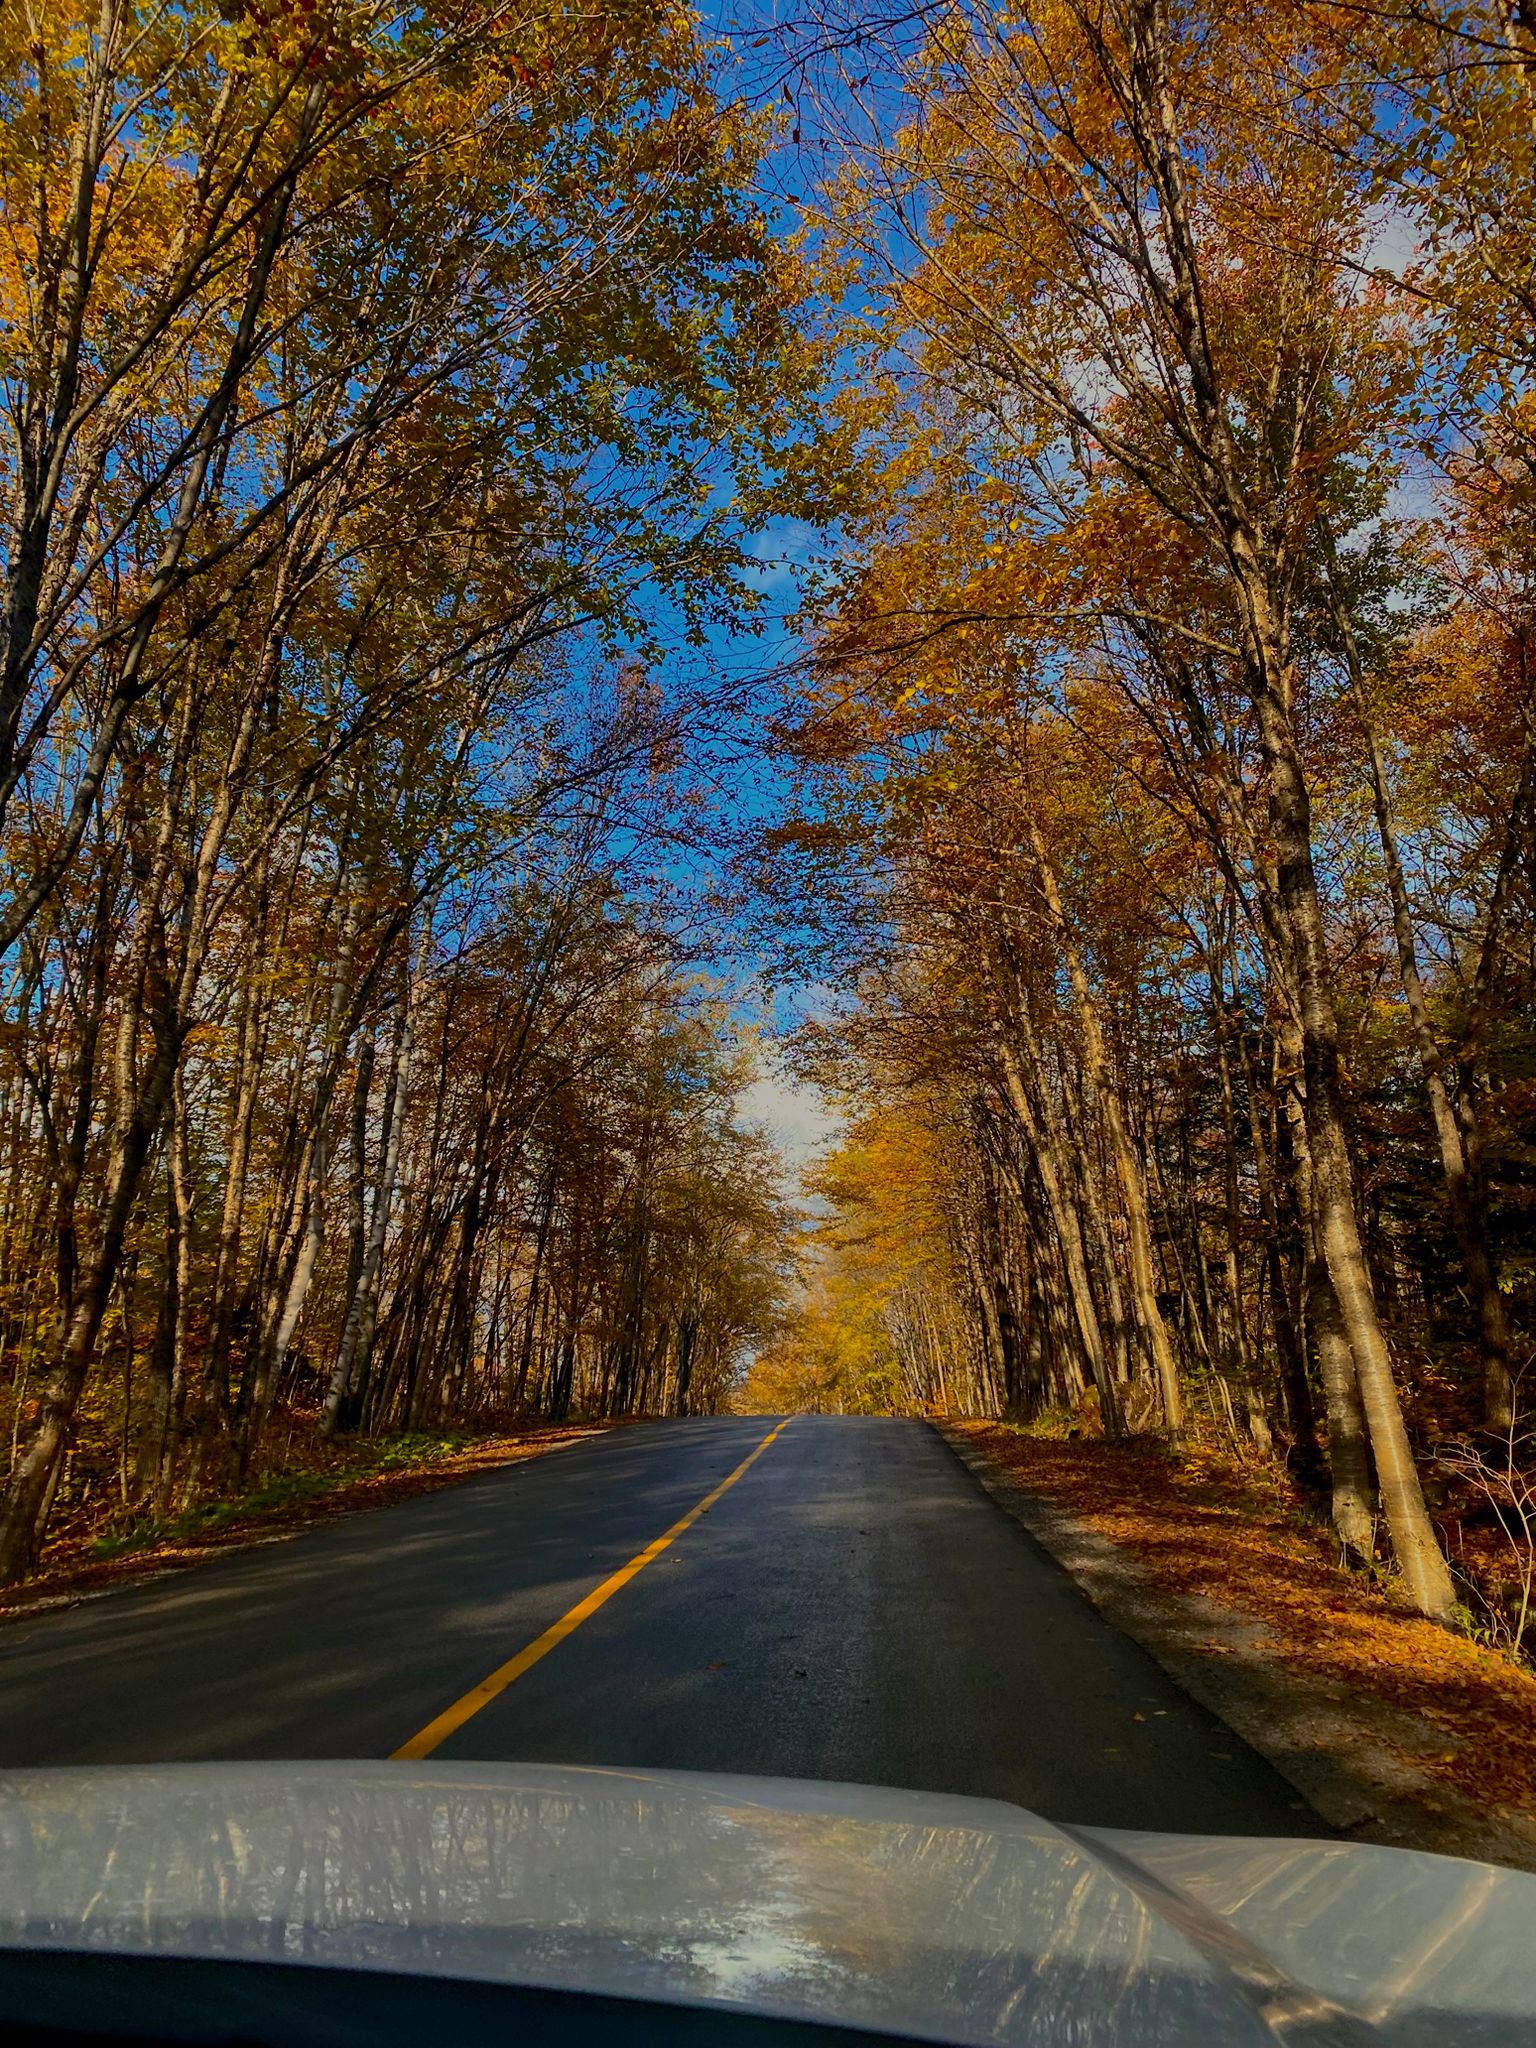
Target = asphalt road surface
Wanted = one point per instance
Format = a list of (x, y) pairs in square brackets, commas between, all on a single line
[(853, 1606)]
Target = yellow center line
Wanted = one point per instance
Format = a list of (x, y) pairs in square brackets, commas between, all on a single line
[(464, 1709)]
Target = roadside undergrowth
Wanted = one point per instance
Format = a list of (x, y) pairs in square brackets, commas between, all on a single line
[(1201, 1523), (302, 1481)]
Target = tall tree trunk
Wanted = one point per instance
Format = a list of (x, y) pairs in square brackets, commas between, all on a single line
[(1045, 1150), (1001, 1323), (1426, 1575), (1351, 1496), (1463, 1195), (157, 1443), (21, 1510), (357, 1330), (1104, 1094)]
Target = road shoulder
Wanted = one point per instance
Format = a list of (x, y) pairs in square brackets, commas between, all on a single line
[(249, 1524), (1361, 1761)]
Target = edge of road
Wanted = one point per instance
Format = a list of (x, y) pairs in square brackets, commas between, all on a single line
[(1353, 1766), (367, 1494)]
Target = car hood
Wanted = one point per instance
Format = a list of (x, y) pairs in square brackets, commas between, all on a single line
[(945, 1919)]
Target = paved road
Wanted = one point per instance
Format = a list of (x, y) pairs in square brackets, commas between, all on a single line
[(854, 1607)]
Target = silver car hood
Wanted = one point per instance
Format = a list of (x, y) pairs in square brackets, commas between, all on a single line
[(943, 1919)]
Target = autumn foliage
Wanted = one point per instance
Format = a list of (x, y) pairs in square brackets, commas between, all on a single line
[(362, 367), (1172, 703)]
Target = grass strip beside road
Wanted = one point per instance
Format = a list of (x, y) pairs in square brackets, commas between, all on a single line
[(463, 1709), (355, 1474)]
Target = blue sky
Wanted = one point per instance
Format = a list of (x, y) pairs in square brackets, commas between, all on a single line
[(746, 781), (752, 785)]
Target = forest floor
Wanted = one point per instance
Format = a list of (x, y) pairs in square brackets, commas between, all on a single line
[(1395, 1729), (309, 1484)]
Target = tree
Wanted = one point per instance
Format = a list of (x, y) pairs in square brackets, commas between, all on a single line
[(357, 362), (1131, 418)]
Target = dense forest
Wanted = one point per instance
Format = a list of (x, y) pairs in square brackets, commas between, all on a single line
[(367, 374), (1165, 743), (396, 404)]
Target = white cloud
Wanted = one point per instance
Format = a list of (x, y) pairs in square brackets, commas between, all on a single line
[(796, 1118), (1393, 244)]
